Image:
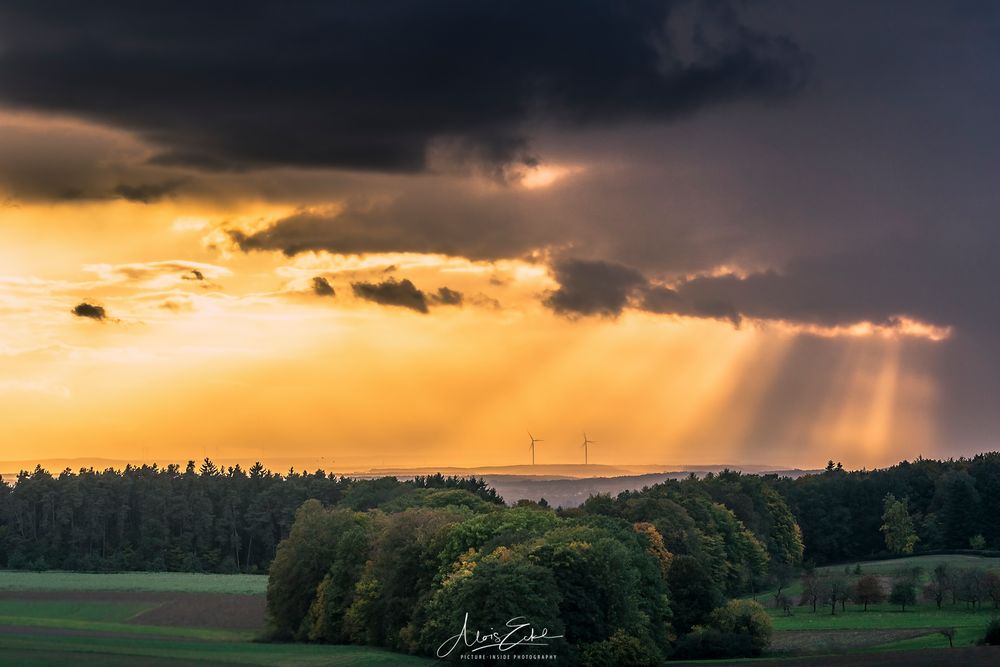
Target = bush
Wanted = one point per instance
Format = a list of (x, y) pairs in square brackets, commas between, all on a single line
[(712, 644), (620, 649), (744, 617), (992, 636), (738, 629)]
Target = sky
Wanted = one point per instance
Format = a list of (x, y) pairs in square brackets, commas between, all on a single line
[(407, 233)]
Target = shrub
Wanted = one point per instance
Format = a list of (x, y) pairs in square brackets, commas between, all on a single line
[(992, 636), (738, 629), (712, 644), (747, 618), (619, 649)]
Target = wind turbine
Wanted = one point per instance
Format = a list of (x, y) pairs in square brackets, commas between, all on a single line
[(532, 446), (586, 443)]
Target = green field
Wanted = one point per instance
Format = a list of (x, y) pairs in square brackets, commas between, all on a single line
[(925, 562), (100, 619), (883, 626), (99, 622), (248, 584)]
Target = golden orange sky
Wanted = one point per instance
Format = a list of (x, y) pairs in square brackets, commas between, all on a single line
[(247, 362)]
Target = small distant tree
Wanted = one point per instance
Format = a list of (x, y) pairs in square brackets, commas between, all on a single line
[(844, 593), (857, 569), (897, 525), (781, 575), (811, 590), (941, 582), (935, 592), (903, 593), (970, 586), (991, 584), (784, 603), (834, 590), (868, 590), (977, 542), (950, 634)]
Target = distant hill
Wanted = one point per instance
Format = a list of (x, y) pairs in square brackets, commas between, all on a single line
[(572, 492), (570, 470), (560, 484)]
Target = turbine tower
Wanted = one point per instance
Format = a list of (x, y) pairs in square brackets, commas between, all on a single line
[(532, 446), (586, 447)]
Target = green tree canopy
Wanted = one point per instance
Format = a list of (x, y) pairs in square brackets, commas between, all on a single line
[(900, 537)]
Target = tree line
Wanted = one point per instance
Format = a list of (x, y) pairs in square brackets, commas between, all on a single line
[(933, 506), (194, 519)]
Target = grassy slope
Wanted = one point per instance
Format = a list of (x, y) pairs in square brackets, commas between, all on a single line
[(171, 582), (29, 641), (969, 624), (925, 562), (887, 568), (30, 651)]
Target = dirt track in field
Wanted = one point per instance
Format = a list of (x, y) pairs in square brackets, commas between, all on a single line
[(978, 656), (21, 631), (805, 642), (222, 611)]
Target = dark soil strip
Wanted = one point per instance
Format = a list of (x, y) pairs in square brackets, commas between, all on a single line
[(979, 656), (224, 612), (38, 631), (219, 611), (41, 658), (804, 642)]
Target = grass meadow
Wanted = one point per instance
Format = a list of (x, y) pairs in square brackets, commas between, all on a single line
[(167, 582), (60, 618), (883, 627), (101, 620)]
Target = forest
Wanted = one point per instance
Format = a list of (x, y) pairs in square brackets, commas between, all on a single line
[(629, 580), (953, 505), (195, 519), (666, 571)]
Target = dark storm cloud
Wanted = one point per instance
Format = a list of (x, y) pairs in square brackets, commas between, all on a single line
[(659, 299), (147, 193), (592, 287), (447, 297), (434, 218), (401, 293), (938, 282), (369, 85), (90, 311), (321, 287)]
